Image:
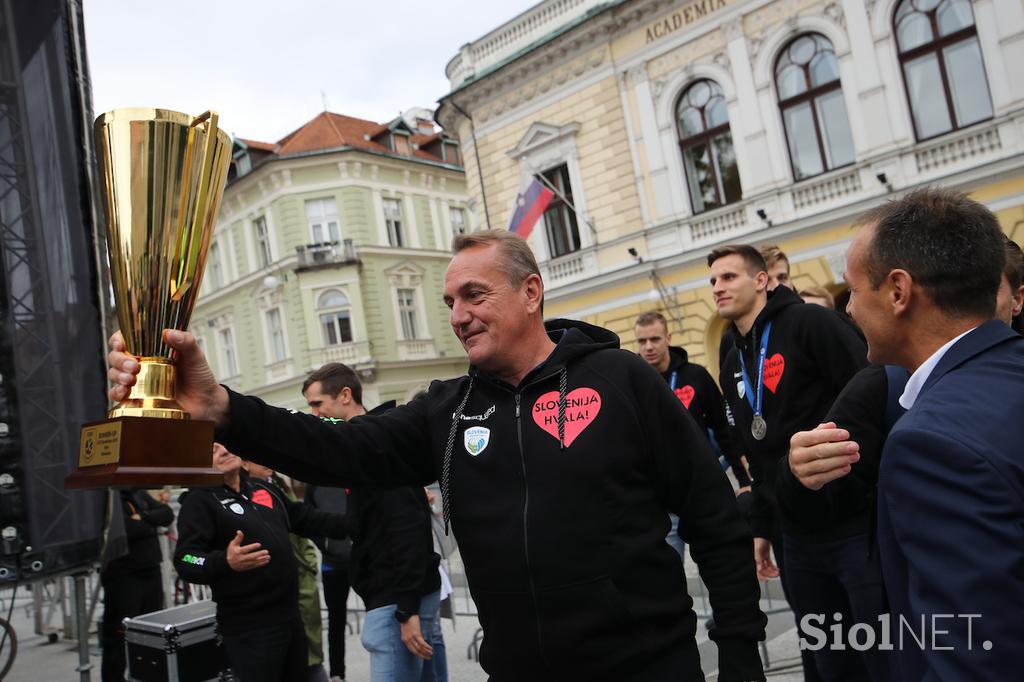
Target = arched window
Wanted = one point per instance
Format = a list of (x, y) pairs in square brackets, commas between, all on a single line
[(706, 143), (335, 317), (813, 110), (942, 67)]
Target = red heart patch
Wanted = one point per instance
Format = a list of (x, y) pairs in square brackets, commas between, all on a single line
[(581, 408), (773, 369), (261, 496), (685, 395)]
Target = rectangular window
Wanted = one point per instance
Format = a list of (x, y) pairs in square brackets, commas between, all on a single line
[(259, 226), (215, 267), (337, 327), (458, 218), (559, 219), (228, 360), (924, 85), (835, 128), (969, 87), (275, 331), (803, 142), (322, 217), (407, 313), (393, 219)]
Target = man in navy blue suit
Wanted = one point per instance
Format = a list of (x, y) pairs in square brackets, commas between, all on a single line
[(923, 274)]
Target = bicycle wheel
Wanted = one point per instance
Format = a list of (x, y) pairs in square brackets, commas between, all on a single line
[(9, 648)]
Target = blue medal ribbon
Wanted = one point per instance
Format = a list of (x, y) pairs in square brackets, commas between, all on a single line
[(757, 404), (672, 381)]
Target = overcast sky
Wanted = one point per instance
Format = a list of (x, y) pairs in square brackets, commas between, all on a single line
[(263, 63)]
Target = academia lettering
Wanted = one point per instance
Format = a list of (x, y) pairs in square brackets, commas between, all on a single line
[(693, 12)]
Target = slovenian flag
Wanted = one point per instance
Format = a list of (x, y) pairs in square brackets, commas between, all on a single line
[(530, 206)]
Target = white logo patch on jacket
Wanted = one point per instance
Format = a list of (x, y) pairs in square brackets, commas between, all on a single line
[(476, 439)]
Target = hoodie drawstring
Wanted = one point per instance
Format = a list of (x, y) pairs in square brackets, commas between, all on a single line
[(446, 466), (562, 381)]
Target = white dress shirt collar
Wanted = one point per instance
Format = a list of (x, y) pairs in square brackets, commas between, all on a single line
[(917, 380)]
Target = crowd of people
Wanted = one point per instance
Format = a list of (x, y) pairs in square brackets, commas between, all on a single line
[(873, 453)]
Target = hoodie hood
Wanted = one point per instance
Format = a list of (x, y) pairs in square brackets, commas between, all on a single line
[(575, 339), (677, 358)]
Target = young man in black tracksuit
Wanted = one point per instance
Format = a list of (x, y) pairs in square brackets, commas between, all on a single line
[(697, 392), (235, 539), (793, 359), (694, 387), (393, 566), (559, 456), (132, 583)]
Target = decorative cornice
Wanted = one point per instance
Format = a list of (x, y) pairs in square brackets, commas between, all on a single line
[(578, 51)]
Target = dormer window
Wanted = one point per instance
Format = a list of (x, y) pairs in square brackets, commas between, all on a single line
[(401, 144)]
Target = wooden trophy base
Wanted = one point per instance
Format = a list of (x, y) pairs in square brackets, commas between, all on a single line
[(145, 452)]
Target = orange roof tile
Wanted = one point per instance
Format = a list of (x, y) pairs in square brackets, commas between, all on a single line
[(328, 130), (262, 146)]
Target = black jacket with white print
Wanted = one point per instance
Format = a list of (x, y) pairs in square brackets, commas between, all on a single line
[(557, 492), (207, 522)]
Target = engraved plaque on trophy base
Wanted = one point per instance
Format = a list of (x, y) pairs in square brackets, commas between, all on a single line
[(145, 452)]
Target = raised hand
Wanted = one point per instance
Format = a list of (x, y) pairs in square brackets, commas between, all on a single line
[(196, 388)]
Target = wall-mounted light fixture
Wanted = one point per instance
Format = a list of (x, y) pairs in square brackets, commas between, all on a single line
[(884, 179)]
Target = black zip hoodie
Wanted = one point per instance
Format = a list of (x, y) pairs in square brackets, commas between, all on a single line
[(699, 394), (557, 491), (811, 356), (254, 599), (393, 559)]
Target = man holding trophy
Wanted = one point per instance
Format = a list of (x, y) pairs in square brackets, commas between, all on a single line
[(559, 504)]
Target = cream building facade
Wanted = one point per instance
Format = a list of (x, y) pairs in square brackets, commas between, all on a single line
[(331, 246), (672, 127)]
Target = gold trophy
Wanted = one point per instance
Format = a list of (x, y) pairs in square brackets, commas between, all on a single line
[(163, 175)]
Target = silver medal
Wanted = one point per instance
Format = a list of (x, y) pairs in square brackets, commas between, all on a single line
[(758, 427)]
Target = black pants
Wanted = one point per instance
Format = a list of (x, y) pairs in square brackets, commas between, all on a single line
[(275, 653), (806, 657), (844, 577), (336, 596), (125, 596)]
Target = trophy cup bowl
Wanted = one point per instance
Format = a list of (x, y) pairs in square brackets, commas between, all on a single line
[(163, 175)]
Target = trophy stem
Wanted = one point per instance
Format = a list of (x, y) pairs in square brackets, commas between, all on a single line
[(153, 393)]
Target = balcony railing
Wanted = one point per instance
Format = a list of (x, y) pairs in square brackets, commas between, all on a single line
[(416, 349), (951, 149), (351, 354), (569, 268), (326, 253), (721, 223)]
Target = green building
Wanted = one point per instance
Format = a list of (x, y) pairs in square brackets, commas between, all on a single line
[(331, 246)]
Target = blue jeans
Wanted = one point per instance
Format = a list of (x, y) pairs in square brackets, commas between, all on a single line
[(843, 577), (673, 539), (390, 661)]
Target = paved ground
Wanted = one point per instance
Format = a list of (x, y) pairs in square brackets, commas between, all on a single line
[(39, 660)]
